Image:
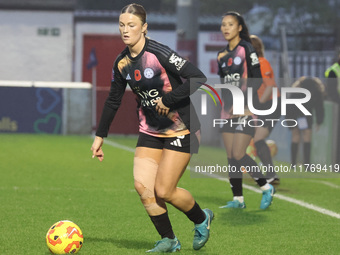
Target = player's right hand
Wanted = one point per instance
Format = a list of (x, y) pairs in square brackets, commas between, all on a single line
[(96, 148)]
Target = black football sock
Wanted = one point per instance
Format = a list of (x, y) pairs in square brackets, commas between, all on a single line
[(306, 153), (293, 152), (163, 225), (265, 156), (235, 177), (253, 169), (263, 152), (195, 214)]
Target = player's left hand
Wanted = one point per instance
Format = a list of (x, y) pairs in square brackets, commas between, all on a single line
[(161, 108), (96, 148)]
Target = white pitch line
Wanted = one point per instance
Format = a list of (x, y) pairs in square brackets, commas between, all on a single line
[(285, 198), (282, 197), (329, 184), (119, 146), (309, 206)]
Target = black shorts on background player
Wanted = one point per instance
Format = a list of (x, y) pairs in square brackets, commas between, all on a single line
[(235, 125)]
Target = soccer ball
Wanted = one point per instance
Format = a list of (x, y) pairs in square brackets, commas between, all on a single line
[(64, 237), (272, 147)]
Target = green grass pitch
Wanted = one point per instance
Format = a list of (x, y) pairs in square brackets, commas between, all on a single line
[(46, 178)]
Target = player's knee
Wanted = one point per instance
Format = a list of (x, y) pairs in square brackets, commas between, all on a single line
[(257, 137), (238, 155), (149, 201), (295, 139), (144, 172), (148, 196), (139, 187), (295, 135), (163, 193)]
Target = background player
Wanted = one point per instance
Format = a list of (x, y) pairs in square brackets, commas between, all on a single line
[(154, 72), (333, 83), (237, 63), (305, 123), (265, 97), (333, 93)]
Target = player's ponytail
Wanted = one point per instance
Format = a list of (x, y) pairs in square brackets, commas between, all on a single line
[(258, 45)]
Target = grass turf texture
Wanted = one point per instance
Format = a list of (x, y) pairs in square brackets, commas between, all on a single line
[(44, 179)]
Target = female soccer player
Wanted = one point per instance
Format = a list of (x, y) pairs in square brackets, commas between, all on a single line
[(265, 94), (154, 72), (239, 66), (305, 123)]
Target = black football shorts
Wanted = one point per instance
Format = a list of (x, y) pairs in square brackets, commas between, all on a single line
[(184, 143)]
